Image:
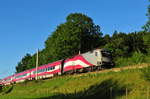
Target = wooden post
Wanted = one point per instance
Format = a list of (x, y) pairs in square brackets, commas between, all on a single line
[(147, 92), (110, 92), (75, 92), (47, 92), (37, 64), (126, 93)]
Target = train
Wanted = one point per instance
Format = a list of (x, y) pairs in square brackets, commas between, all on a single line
[(96, 59)]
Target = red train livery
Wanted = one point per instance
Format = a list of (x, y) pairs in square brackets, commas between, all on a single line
[(91, 60)]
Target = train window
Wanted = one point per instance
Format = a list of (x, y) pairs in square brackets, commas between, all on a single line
[(50, 68), (96, 53), (24, 75), (20, 76), (34, 72), (43, 70), (8, 79)]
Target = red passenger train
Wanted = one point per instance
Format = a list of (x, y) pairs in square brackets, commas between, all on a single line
[(91, 60)]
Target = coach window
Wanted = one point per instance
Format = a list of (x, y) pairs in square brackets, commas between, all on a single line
[(49, 68)]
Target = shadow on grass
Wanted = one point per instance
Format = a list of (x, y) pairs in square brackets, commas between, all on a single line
[(1, 87), (9, 90), (107, 89)]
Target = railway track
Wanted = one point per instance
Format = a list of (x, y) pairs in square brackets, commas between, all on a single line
[(118, 69)]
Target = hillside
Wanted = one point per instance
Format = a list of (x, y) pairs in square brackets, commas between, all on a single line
[(108, 85)]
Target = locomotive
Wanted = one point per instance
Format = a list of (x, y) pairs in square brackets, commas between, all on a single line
[(85, 62)]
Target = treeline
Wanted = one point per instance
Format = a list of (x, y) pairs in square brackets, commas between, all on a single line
[(123, 44), (79, 33), (129, 48)]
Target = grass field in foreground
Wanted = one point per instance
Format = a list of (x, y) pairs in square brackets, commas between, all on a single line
[(111, 85)]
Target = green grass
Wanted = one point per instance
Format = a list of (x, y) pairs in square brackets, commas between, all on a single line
[(83, 86)]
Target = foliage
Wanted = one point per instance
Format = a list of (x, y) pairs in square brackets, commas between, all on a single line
[(146, 73), (78, 33), (146, 39), (117, 44), (146, 27), (24, 63), (124, 45), (136, 58)]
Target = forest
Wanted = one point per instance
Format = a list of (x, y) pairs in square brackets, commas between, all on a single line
[(80, 33)]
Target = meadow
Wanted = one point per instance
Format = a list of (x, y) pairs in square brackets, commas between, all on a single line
[(127, 84)]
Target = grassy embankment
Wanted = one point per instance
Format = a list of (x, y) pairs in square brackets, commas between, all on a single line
[(110, 85)]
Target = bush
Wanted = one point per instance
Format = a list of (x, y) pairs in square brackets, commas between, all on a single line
[(146, 73), (136, 58)]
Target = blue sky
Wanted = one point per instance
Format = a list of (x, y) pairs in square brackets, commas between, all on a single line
[(26, 24)]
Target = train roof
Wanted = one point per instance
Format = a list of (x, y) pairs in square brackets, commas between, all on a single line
[(7, 77)]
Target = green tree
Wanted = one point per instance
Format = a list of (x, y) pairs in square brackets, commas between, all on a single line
[(146, 39), (78, 33), (146, 27), (118, 44), (124, 45), (24, 63), (106, 39), (136, 43)]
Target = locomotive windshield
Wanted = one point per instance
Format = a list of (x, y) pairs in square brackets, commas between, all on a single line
[(106, 53)]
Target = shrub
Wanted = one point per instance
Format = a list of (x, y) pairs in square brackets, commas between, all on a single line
[(136, 58), (146, 73)]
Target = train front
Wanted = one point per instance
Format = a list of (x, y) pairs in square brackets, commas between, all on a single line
[(107, 59)]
